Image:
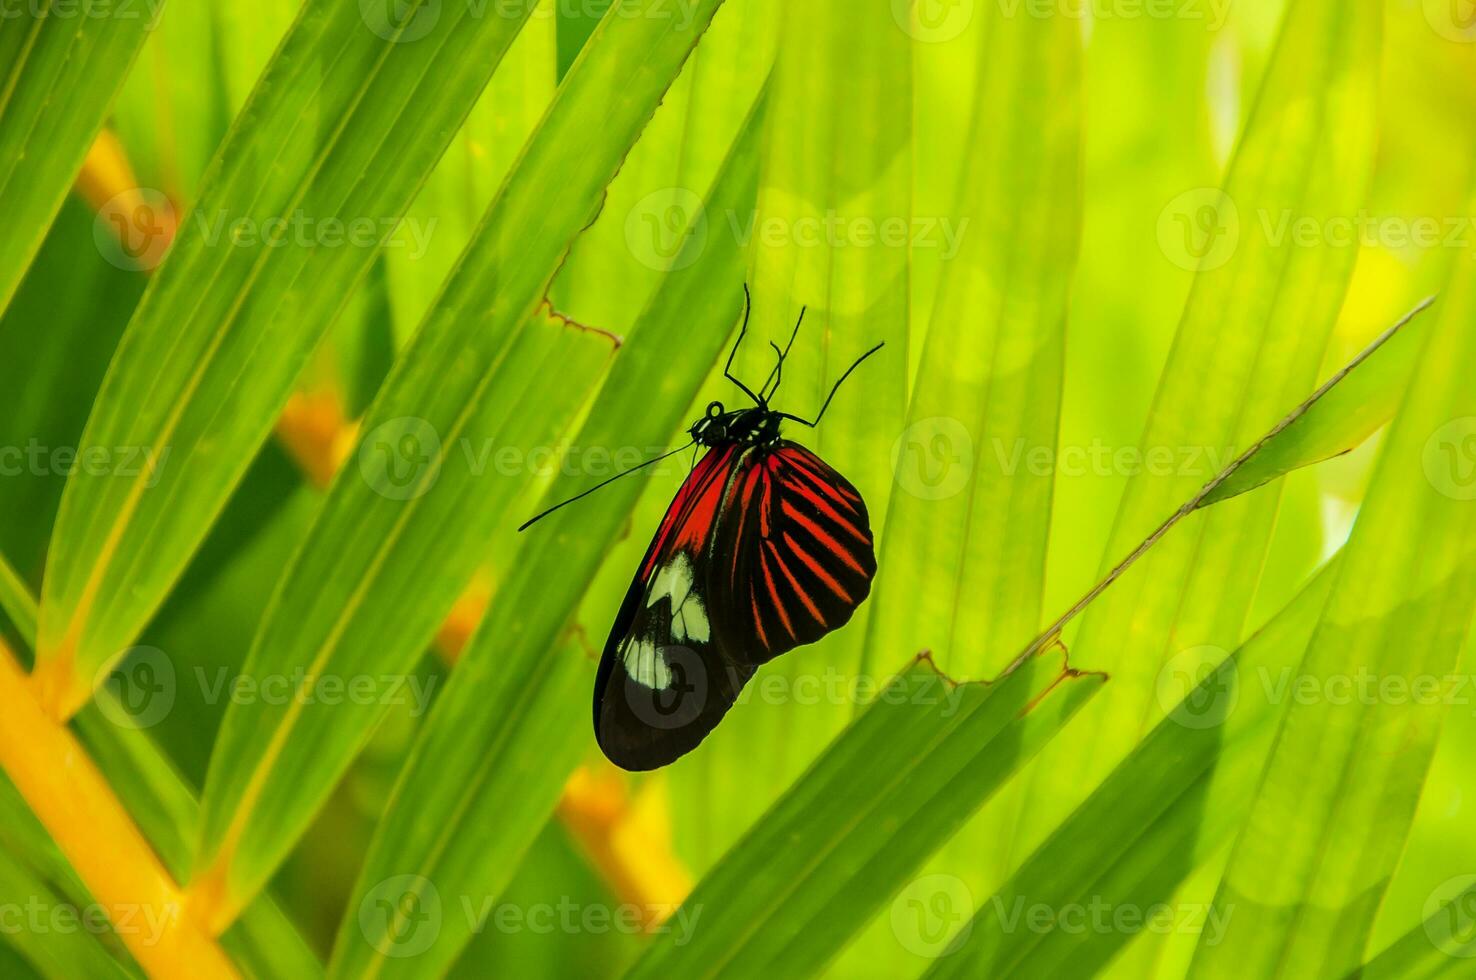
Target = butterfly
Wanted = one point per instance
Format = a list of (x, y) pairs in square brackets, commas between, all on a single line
[(764, 548)]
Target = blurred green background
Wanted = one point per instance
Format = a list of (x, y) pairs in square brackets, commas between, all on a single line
[(1053, 168)]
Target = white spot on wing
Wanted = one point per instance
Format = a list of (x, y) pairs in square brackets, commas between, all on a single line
[(646, 666), (693, 619), (643, 658), (674, 582)]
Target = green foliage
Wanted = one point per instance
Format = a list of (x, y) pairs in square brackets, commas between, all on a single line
[(1129, 247)]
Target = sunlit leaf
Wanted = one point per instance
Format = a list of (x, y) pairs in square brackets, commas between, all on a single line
[(1151, 823), (460, 384), (519, 688), (831, 235), (1248, 349), (1330, 816), (964, 548), (896, 784), (1347, 410), (321, 164), (83, 49)]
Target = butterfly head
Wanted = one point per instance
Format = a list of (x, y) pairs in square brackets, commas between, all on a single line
[(756, 426)]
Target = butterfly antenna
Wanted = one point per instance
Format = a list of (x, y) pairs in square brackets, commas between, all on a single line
[(601, 486), (777, 373), (728, 369), (796, 418)]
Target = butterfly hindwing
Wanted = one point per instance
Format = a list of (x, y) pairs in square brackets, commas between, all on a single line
[(663, 682), (794, 554)]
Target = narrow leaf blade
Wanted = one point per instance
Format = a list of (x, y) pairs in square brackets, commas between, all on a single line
[(1330, 818), (290, 217), (84, 50), (462, 378), (519, 687), (896, 784)]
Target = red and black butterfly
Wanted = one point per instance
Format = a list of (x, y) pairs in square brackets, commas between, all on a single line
[(765, 548)]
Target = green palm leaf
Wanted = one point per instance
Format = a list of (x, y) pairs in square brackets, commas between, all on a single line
[(84, 49), (209, 359), (1348, 771), (1250, 342), (461, 378), (525, 700)]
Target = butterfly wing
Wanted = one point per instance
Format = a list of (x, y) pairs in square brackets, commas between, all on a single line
[(761, 551), (663, 681), (793, 558)]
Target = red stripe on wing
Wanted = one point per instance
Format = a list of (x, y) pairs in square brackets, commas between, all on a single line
[(820, 474), (826, 541), (774, 597), (795, 588), (690, 518), (819, 570), (825, 508), (801, 568)]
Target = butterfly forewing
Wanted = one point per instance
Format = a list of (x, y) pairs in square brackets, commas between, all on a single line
[(664, 682)]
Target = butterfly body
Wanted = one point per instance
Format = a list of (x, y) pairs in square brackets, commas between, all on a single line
[(751, 426)]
